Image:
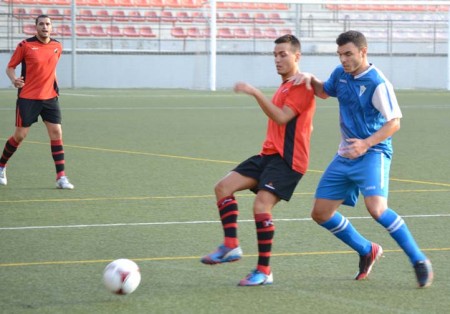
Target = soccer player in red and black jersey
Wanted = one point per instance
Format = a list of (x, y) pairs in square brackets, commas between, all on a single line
[(37, 96), (274, 173)]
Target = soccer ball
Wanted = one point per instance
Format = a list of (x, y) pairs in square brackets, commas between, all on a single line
[(122, 276)]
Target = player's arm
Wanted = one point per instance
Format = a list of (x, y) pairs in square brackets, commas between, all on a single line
[(279, 115), (359, 147), (311, 82), (18, 82)]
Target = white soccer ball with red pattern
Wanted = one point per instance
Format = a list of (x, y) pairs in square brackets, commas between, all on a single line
[(122, 276)]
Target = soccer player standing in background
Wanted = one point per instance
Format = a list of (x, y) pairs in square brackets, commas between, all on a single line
[(369, 116), (37, 95), (273, 174)]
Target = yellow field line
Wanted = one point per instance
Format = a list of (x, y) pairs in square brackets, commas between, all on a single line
[(178, 258), (143, 198), (209, 160)]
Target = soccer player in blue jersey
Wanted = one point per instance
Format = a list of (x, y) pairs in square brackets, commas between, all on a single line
[(369, 115)]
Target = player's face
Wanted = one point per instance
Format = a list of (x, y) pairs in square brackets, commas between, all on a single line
[(285, 60), (43, 29), (352, 58)]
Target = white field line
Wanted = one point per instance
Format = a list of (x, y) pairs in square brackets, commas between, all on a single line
[(185, 223)]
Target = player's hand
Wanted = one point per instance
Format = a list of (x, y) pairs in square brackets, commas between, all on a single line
[(242, 87), (356, 148), (302, 78), (19, 82)]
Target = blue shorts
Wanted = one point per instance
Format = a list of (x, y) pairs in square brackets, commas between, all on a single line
[(344, 178)]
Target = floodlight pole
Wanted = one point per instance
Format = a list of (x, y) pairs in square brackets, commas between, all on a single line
[(74, 43), (213, 46)]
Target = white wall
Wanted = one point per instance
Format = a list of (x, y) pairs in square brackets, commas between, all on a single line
[(191, 71)]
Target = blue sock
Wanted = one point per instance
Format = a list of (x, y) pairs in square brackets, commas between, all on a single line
[(344, 230), (398, 230)]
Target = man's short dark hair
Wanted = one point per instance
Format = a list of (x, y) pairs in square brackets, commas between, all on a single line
[(355, 37), (42, 16), (288, 38)]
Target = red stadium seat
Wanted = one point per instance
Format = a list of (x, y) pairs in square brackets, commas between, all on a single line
[(275, 18), (194, 32), (114, 31), (224, 32), (172, 3), (241, 33), (142, 3), (130, 31), (285, 31), (156, 3), (82, 31), (119, 16), (178, 32), (136, 16), (270, 33), (64, 30), (125, 3), (86, 15), (183, 17), (107, 3), (146, 31), (190, 3), (103, 15), (35, 12), (260, 18), (97, 31), (229, 17), (244, 17), (198, 17), (20, 13), (62, 2), (29, 29), (167, 17), (256, 33), (151, 16), (55, 14)]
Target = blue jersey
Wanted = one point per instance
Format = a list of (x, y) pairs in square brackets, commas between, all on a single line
[(366, 102)]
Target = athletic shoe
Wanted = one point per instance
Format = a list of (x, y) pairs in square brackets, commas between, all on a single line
[(256, 278), (366, 262), (3, 180), (63, 183), (424, 273), (223, 254)]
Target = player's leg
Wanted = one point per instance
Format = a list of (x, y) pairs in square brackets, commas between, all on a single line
[(51, 114), (227, 205), (399, 231), (9, 149), (265, 230), (277, 182), (27, 113), (375, 187), (336, 187)]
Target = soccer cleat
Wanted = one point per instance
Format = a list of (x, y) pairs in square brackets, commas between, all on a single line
[(424, 273), (63, 183), (3, 180), (256, 278), (223, 254), (366, 262)]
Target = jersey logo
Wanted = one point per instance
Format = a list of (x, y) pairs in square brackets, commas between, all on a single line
[(343, 81), (362, 89), (56, 50)]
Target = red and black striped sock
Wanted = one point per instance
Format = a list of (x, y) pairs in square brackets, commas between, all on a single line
[(265, 231), (10, 148), (228, 210), (58, 157)]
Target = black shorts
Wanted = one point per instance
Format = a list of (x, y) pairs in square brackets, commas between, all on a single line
[(28, 111), (272, 173)]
